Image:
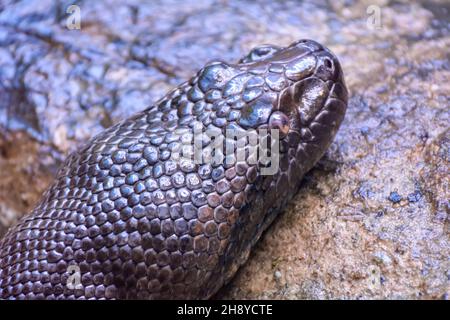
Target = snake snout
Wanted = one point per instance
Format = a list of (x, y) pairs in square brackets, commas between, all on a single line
[(318, 96), (327, 67)]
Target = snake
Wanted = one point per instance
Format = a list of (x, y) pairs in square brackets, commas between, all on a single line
[(136, 213)]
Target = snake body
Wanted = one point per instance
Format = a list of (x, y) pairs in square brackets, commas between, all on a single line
[(128, 219)]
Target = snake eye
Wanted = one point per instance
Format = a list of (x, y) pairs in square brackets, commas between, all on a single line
[(278, 120)]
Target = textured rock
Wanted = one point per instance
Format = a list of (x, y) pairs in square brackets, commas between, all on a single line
[(371, 220)]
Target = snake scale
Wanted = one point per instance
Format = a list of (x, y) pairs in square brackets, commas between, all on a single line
[(133, 221)]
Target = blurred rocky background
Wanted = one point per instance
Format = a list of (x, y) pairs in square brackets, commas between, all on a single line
[(371, 220)]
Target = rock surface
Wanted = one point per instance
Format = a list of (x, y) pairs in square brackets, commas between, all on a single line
[(371, 220)]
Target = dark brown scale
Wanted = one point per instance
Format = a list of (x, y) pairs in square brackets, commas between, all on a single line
[(127, 218)]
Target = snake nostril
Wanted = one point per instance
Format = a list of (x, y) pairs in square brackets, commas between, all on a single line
[(328, 63)]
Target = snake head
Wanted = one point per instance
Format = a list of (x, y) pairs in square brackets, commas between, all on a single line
[(304, 91), (298, 90)]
